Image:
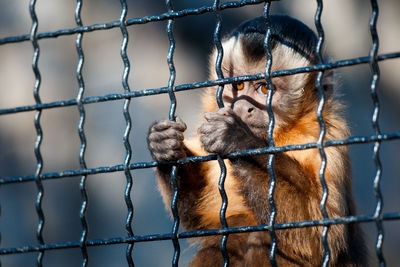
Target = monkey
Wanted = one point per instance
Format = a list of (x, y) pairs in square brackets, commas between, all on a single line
[(242, 124)]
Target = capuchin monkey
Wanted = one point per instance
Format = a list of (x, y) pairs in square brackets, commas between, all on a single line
[(242, 124)]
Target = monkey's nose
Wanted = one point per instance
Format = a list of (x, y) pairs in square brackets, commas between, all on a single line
[(243, 108)]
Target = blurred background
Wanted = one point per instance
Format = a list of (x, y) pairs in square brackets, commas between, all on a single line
[(347, 36)]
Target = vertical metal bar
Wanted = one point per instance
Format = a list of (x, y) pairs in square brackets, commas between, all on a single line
[(320, 141), (175, 214), (172, 117), (128, 123), (39, 133), (0, 231), (170, 61), (373, 54), (220, 51), (224, 206), (270, 130), (221, 183), (81, 132)]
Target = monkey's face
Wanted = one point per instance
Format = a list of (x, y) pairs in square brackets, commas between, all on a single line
[(248, 99)]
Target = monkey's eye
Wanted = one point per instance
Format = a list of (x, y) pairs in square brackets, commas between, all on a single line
[(262, 89), (239, 86)]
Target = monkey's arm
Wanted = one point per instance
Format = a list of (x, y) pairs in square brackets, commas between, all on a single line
[(165, 142), (291, 179)]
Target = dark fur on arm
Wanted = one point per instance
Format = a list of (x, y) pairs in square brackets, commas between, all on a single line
[(165, 141), (254, 175)]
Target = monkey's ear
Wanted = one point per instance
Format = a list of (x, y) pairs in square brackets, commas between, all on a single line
[(328, 87), (328, 81)]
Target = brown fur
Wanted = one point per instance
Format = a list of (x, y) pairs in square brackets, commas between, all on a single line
[(295, 201), (302, 244), (298, 189)]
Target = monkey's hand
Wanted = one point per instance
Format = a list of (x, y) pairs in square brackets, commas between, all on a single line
[(224, 132), (165, 140)]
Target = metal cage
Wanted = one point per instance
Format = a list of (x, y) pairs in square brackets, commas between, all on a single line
[(80, 101)]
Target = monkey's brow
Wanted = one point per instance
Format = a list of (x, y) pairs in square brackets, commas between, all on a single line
[(230, 70)]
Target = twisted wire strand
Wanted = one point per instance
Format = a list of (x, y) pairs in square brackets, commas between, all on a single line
[(82, 136), (224, 206), (0, 232), (128, 128), (270, 131), (172, 117), (221, 182), (170, 61), (175, 214), (133, 21), (234, 155), (378, 213), (373, 59), (320, 142), (39, 133), (198, 85), (201, 233), (220, 51)]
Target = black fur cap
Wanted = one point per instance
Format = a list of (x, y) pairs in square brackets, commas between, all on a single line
[(284, 29)]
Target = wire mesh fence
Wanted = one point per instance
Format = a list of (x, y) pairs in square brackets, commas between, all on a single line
[(128, 165)]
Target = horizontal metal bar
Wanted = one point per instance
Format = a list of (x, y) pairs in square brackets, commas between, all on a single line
[(190, 86), (129, 22), (249, 152), (200, 233)]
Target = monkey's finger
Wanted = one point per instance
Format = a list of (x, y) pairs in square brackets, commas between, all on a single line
[(165, 124), (210, 136), (167, 155), (155, 136), (211, 144), (206, 141), (180, 125), (215, 116), (226, 111), (212, 127), (214, 148), (167, 150), (204, 128), (160, 125), (166, 145)]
